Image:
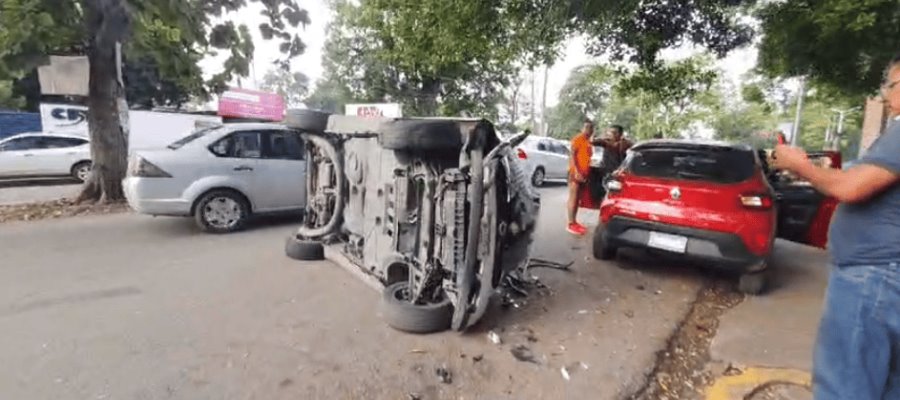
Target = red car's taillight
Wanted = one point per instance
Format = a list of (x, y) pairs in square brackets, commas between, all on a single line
[(522, 155), (756, 201)]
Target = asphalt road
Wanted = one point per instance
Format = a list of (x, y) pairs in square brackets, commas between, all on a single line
[(17, 191), (134, 307)]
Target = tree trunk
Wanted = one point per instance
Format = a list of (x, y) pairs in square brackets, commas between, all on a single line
[(107, 22)]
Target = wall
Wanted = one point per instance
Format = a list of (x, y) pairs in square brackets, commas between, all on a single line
[(12, 123)]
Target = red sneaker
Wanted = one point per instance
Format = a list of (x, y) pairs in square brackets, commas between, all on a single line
[(576, 229)]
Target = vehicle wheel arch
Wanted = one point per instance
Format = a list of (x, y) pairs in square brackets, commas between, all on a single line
[(79, 163), (396, 269), (202, 194)]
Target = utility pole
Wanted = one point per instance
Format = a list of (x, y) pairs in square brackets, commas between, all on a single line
[(795, 135), (533, 100), (835, 139), (544, 103)]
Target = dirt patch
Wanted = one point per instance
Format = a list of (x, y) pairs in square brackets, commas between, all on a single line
[(55, 209), (679, 371)]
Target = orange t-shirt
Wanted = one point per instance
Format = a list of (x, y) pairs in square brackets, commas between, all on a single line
[(582, 150)]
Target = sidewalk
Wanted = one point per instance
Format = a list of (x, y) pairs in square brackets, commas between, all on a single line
[(765, 343)]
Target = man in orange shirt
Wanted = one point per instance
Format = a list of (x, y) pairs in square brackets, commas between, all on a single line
[(579, 170)]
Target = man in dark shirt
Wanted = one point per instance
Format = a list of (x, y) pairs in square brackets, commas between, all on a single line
[(857, 353), (615, 146)]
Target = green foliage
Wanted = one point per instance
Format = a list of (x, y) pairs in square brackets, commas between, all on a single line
[(747, 123), (7, 99), (668, 99), (164, 41), (845, 44), (293, 87), (434, 56), (636, 31)]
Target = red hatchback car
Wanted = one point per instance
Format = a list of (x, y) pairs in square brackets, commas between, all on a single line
[(709, 201)]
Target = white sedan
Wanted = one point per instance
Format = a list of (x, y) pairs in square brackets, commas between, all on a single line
[(37, 155), (221, 176)]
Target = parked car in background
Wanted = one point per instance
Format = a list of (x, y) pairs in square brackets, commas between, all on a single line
[(709, 201), (544, 159), (221, 176), (39, 155)]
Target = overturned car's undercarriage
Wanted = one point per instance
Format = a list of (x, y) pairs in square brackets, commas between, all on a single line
[(434, 211)]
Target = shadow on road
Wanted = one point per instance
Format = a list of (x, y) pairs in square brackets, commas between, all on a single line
[(12, 183), (186, 226)]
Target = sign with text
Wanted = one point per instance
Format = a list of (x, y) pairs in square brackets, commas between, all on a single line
[(374, 110), (64, 118), (244, 103)]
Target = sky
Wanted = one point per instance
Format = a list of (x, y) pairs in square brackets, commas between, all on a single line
[(310, 62)]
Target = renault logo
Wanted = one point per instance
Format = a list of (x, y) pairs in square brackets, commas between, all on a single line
[(675, 193)]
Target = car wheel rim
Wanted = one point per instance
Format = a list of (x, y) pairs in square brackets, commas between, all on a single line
[(538, 177), (222, 212), (83, 173)]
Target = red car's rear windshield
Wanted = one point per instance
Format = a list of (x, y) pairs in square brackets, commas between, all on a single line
[(709, 164)]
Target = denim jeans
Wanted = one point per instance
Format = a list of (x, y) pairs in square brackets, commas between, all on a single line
[(857, 353)]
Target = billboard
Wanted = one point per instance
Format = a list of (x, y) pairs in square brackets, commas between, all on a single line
[(374, 110), (244, 103)]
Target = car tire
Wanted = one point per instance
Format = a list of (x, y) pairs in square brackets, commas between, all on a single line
[(304, 250), (217, 221), (420, 135), (538, 177), (306, 120), (81, 171), (753, 283), (601, 248), (404, 316)]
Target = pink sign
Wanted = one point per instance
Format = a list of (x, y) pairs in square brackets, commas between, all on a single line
[(243, 103)]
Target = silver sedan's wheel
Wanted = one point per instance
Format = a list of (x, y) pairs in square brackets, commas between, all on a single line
[(221, 212), (538, 178), (82, 171)]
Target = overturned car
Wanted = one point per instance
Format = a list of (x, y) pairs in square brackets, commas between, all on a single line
[(434, 212)]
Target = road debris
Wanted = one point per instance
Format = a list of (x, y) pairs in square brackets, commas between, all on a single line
[(478, 358), (582, 312), (658, 292), (444, 375), (569, 370), (413, 396), (640, 287), (540, 263), (418, 351), (732, 371), (494, 338), (524, 354), (629, 313)]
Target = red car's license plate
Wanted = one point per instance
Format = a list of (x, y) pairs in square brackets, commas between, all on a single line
[(665, 241)]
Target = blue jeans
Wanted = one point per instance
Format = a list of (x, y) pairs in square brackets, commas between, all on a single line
[(857, 353)]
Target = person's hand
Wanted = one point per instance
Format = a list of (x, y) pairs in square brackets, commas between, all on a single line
[(578, 177), (788, 157)]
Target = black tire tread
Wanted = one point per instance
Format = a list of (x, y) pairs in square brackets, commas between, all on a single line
[(306, 120), (753, 283), (304, 250), (420, 135), (601, 249), (414, 318)]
